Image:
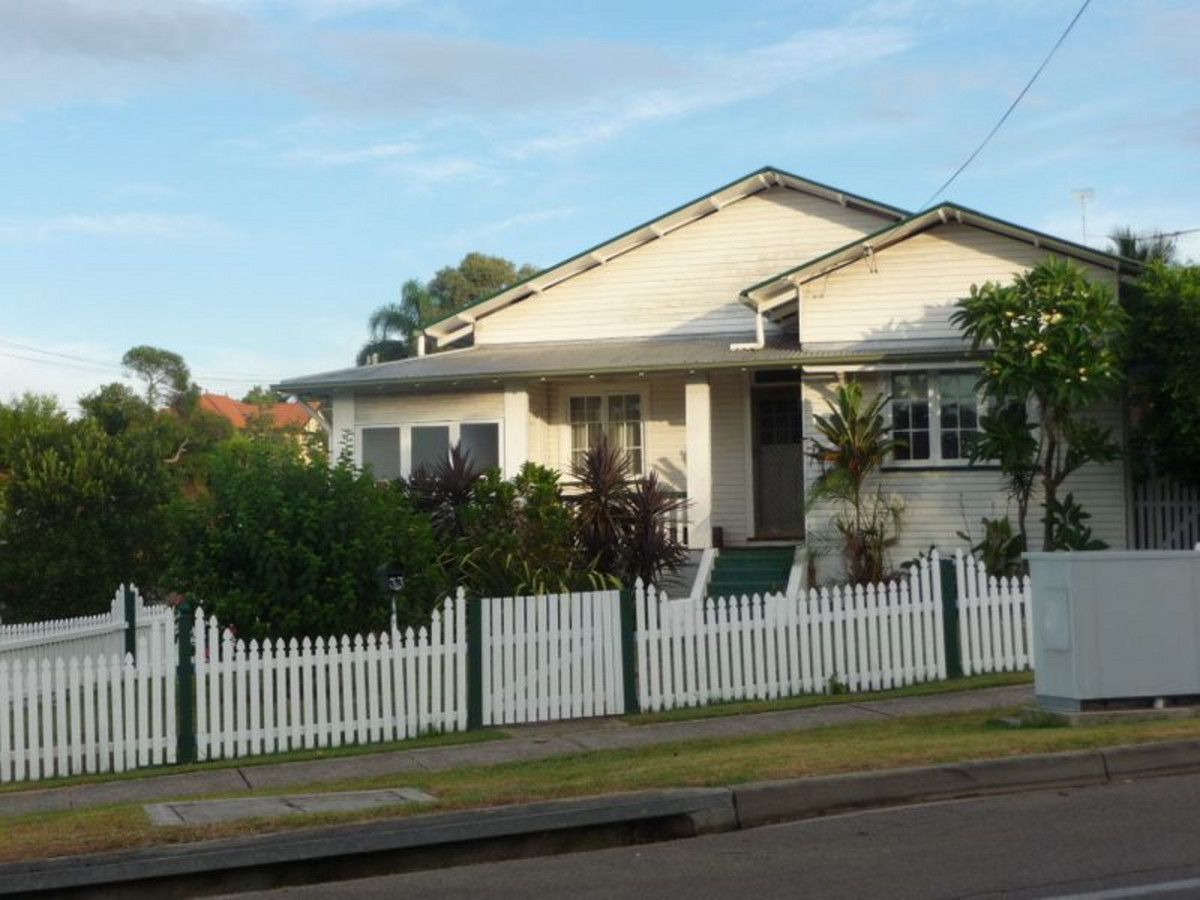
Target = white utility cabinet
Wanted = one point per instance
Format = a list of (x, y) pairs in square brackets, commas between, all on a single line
[(1113, 627)]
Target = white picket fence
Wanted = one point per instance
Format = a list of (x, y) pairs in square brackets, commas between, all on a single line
[(1166, 515), (543, 659), (290, 695), (552, 657), (107, 713), (691, 653), (100, 635), (995, 627)]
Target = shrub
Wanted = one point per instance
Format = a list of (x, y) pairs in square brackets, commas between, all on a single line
[(279, 545), (856, 441)]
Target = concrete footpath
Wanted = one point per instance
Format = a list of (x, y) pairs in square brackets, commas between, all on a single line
[(529, 742)]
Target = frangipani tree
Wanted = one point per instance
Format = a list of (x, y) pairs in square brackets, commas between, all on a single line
[(1054, 337)]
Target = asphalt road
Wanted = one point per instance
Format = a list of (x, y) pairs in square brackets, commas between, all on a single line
[(1133, 839)]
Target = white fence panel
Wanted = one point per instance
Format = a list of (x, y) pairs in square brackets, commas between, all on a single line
[(1166, 515), (551, 657), (99, 635), (994, 619), (82, 714), (280, 696), (691, 653)]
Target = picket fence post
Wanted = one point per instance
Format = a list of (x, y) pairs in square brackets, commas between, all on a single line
[(131, 606), (951, 645), (185, 687), (629, 671), (474, 662)]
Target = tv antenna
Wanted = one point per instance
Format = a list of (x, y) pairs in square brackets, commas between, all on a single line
[(1083, 195)]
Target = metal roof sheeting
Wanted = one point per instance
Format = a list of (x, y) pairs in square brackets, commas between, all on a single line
[(565, 358)]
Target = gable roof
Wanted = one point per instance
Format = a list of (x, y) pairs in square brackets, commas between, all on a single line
[(455, 325), (283, 415), (764, 296)]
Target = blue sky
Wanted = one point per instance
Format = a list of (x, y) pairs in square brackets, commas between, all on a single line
[(243, 181)]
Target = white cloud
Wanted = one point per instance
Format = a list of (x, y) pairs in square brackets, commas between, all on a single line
[(713, 80), (450, 168), (332, 157), (107, 225)]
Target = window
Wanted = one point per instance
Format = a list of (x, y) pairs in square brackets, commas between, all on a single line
[(381, 452), (619, 416), (958, 414), (399, 450), (430, 446), (935, 415), (481, 442)]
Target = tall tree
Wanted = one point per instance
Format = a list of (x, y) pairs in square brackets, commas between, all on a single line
[(394, 326), (1163, 359), (165, 374), (1055, 337), (1144, 248), (261, 395)]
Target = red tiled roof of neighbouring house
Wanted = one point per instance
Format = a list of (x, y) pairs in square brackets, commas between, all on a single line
[(283, 415)]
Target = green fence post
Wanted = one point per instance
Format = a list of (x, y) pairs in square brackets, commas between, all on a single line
[(474, 662), (130, 620), (185, 686), (629, 651), (949, 577)]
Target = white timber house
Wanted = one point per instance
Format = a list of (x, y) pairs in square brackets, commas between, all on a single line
[(705, 340)]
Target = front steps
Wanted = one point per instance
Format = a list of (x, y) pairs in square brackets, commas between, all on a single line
[(756, 570)]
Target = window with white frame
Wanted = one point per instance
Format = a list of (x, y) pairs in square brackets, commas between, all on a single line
[(395, 450), (935, 417), (619, 416)]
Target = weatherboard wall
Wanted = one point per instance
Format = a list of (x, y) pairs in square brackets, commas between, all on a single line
[(940, 502), (687, 282), (907, 291)]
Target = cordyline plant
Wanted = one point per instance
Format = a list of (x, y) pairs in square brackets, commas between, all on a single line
[(622, 520), (855, 441), (1054, 337)]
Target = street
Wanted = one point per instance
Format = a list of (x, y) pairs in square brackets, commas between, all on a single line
[(1135, 839)]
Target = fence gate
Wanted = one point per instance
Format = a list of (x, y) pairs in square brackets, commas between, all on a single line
[(1166, 515), (552, 657)]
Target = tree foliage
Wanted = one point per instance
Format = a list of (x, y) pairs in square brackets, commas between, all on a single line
[(1164, 370), (854, 442), (81, 512), (165, 374), (1055, 338), (394, 326), (280, 545)]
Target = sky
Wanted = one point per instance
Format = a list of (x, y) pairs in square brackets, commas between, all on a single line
[(243, 181)]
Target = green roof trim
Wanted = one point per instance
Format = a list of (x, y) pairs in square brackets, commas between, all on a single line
[(1080, 249), (764, 170)]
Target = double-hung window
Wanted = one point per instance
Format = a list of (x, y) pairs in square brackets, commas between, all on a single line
[(935, 417), (619, 416)]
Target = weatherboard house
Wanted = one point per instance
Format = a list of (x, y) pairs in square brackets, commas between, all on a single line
[(705, 340)]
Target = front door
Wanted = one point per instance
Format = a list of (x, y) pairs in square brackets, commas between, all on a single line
[(778, 461)]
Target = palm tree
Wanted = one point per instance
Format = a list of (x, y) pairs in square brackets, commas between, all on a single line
[(394, 326), (1145, 249)]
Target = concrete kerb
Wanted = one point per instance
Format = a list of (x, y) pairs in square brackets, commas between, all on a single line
[(350, 851), (776, 801), (430, 841)]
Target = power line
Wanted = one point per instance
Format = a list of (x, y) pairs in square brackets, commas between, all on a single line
[(970, 159), (1164, 234), (88, 364)]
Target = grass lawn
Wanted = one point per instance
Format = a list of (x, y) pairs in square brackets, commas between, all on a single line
[(431, 740), (868, 745), (804, 701)]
